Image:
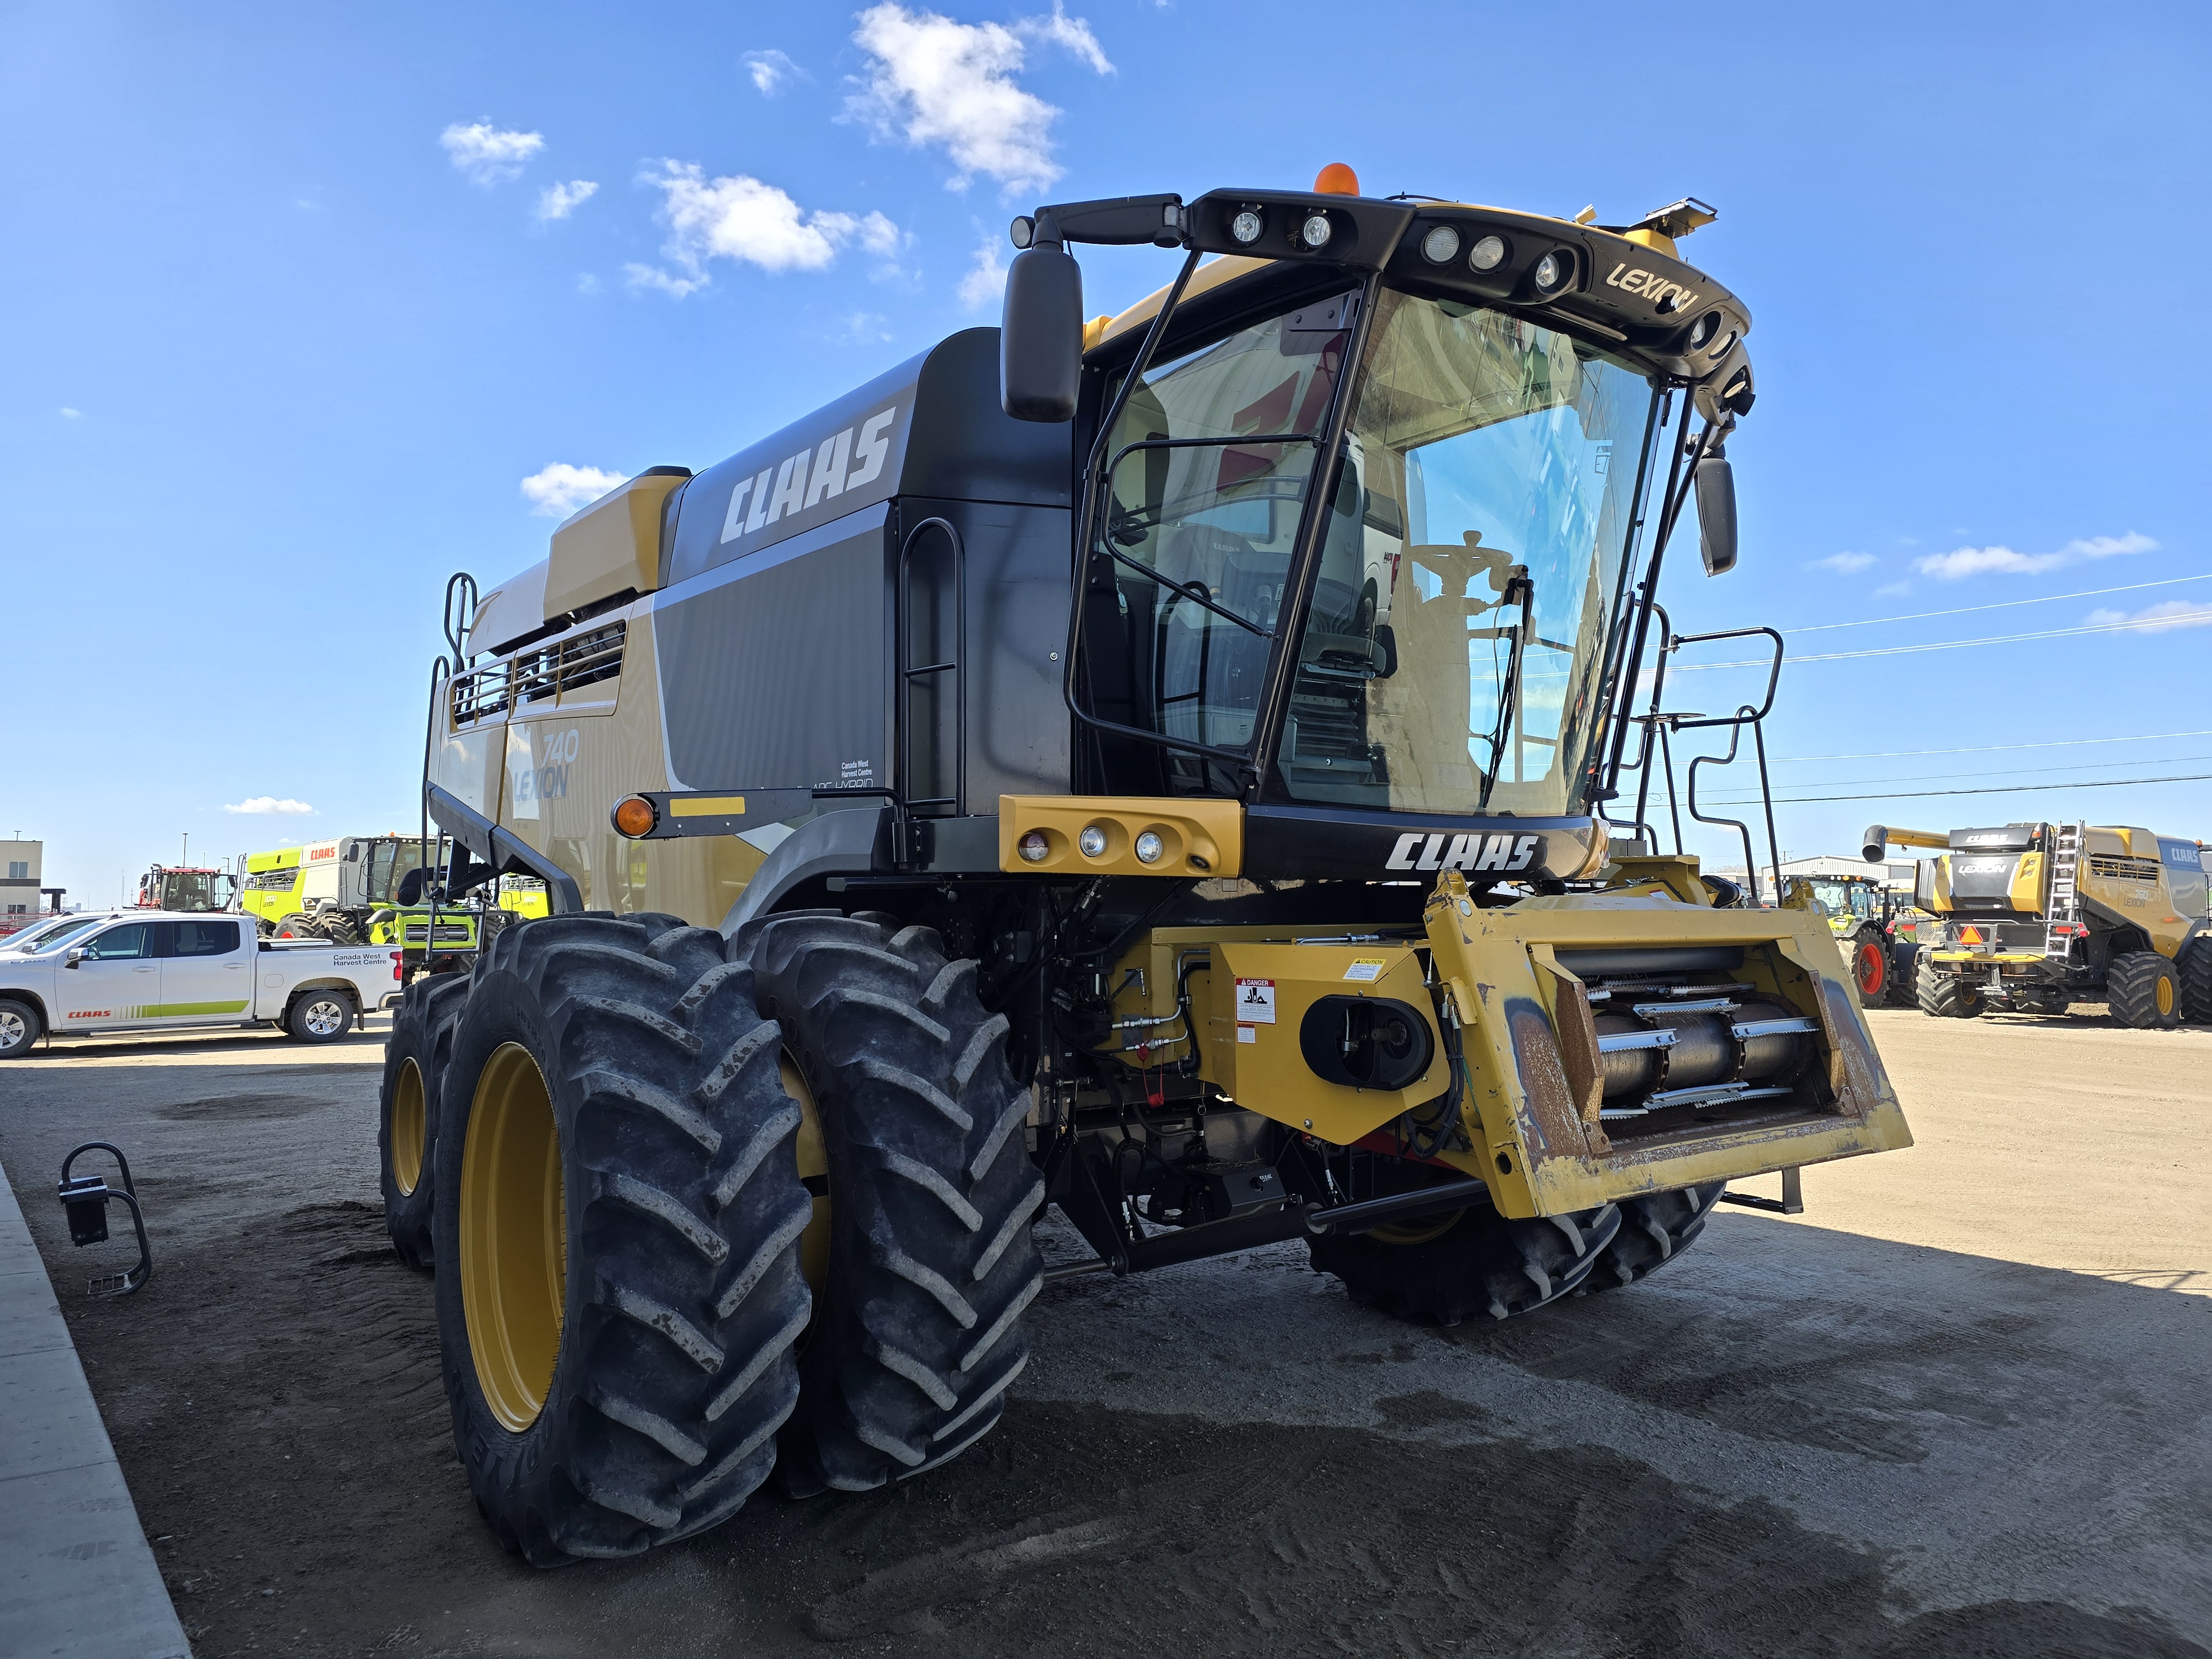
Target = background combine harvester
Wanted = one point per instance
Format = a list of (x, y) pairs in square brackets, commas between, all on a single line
[(1152, 766), (357, 890), (2034, 917)]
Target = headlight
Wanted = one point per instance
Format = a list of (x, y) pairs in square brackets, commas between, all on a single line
[(1441, 245), (1034, 847), (1487, 254), (1247, 225), (1721, 349), (1149, 848), (1093, 841), (1703, 330), (1551, 273), (1315, 231)]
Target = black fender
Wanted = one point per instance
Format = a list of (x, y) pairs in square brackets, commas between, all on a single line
[(852, 841)]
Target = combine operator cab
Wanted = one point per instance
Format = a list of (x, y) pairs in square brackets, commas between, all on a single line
[(1153, 765)]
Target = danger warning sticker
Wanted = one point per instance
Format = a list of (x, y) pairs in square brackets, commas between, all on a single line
[(1256, 1002), (1366, 970)]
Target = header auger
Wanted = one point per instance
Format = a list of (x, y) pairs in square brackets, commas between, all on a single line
[(1152, 766)]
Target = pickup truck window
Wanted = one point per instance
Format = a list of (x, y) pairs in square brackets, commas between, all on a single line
[(200, 938), (137, 939)]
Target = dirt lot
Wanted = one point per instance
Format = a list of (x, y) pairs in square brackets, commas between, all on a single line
[(1958, 1407)]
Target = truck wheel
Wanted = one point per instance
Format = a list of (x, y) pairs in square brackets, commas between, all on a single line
[(2194, 965), (1654, 1231), (929, 1259), (617, 1230), (415, 1058), (1445, 1270), (2142, 992), (1869, 966), (322, 1016), (1945, 996), (340, 927), (19, 1028)]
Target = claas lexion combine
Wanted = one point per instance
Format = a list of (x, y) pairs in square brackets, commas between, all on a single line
[(2032, 918), (1153, 765)]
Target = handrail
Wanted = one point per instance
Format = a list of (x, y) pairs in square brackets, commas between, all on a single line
[(957, 801)]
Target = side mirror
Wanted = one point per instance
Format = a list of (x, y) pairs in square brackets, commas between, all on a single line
[(1716, 514), (75, 957), (1041, 335)]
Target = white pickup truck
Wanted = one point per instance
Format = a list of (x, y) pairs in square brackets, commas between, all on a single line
[(171, 970)]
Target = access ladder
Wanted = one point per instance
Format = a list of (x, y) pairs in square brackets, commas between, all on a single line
[(2064, 914)]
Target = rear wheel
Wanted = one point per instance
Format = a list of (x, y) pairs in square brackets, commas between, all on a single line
[(1473, 1261), (340, 927), (298, 925), (1655, 1229), (2143, 992), (2194, 966), (929, 1261), (19, 1028), (618, 1233), (1946, 996), (1869, 966), (320, 1016), (414, 1060)]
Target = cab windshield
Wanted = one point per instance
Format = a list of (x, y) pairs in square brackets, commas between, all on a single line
[(1450, 657)]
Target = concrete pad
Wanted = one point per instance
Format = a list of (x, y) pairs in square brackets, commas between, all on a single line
[(76, 1577)]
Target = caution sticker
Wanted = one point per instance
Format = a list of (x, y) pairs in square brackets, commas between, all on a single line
[(1366, 970), (1256, 1002)]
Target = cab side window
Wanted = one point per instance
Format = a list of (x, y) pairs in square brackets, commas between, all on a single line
[(120, 943), (202, 938)]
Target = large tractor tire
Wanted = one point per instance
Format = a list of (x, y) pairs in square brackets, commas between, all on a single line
[(1472, 1261), (298, 925), (1946, 996), (2194, 965), (1868, 952), (929, 1259), (2142, 991), (341, 927), (414, 1060), (617, 1225), (1655, 1229)]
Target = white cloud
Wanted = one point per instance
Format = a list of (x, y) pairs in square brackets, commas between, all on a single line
[(2157, 618), (1888, 588), (739, 217), (586, 283), (487, 155), (865, 328), (559, 201), (773, 71), (1844, 564), (933, 81), (69, 414), (560, 488), (985, 284), (268, 806), (1963, 562)]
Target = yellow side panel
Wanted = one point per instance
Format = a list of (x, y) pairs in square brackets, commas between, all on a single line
[(1198, 836), (2027, 892)]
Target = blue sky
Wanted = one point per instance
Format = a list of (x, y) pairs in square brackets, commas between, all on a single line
[(300, 297)]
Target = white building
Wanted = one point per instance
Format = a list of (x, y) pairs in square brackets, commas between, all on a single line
[(21, 873)]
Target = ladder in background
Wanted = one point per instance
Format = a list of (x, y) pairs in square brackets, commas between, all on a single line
[(2065, 909)]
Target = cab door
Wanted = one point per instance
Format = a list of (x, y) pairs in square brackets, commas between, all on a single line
[(116, 979), (206, 978)]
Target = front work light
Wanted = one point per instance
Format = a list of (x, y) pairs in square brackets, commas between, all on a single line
[(1551, 273), (1247, 225), (633, 816), (1315, 231), (1441, 245), (1093, 841), (1149, 848), (1487, 254)]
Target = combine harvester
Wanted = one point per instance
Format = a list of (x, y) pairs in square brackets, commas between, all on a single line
[(2032, 918), (1153, 765)]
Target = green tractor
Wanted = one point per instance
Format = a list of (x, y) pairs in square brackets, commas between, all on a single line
[(1877, 930)]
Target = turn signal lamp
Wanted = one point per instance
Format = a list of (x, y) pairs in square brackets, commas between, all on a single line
[(1034, 847), (1336, 179), (634, 815)]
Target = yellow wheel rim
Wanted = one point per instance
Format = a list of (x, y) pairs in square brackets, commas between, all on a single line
[(410, 1125), (814, 1166), (2165, 995), (1419, 1231), (515, 1236)]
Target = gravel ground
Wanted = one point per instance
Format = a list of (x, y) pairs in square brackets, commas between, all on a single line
[(1958, 1407)]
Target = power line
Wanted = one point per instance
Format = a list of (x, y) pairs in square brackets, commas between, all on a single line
[(2187, 619), (2001, 605), (1991, 748), (1994, 789), (2028, 771)]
